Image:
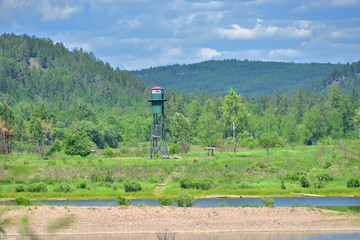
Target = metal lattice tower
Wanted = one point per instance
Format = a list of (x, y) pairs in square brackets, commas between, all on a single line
[(157, 140)]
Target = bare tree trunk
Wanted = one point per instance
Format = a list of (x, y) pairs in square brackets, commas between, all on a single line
[(21, 140), (234, 139)]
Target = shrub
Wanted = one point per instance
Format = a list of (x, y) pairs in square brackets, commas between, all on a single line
[(96, 177), (20, 188), (174, 148), (353, 182), (202, 184), (39, 187), (324, 177), (184, 147), (21, 200), (123, 201), (294, 176), (318, 183), (108, 153), (108, 177), (165, 201), (63, 188), (185, 183), (132, 187), (304, 182), (185, 200), (82, 184), (115, 187), (268, 201)]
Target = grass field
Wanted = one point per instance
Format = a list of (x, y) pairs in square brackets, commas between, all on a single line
[(322, 169)]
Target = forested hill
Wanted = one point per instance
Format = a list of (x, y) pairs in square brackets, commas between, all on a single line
[(346, 76), (34, 70), (252, 78)]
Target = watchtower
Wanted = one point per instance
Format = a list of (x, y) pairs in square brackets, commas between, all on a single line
[(157, 140)]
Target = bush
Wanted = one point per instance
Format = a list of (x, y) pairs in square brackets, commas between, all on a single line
[(353, 182), (165, 201), (77, 142), (304, 182), (63, 188), (185, 200), (82, 185), (294, 176), (268, 201), (318, 183), (201, 184), (39, 187), (108, 153), (324, 177), (123, 201), (185, 183), (21, 200), (96, 177), (174, 148), (132, 187), (20, 188), (184, 147)]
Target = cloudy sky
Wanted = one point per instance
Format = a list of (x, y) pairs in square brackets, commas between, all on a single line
[(136, 34)]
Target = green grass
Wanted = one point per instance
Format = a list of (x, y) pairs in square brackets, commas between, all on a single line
[(252, 172)]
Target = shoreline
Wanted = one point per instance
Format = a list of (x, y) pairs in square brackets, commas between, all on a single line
[(151, 220), (217, 196)]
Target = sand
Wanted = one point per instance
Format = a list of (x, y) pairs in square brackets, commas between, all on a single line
[(148, 219)]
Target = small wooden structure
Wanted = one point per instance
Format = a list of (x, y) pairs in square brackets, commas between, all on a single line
[(210, 149)]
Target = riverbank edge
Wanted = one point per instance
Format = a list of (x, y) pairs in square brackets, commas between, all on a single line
[(310, 231), (294, 195)]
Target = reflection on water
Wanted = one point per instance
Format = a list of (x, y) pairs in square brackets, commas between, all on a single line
[(215, 236)]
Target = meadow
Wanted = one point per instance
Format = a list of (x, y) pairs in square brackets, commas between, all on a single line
[(320, 169)]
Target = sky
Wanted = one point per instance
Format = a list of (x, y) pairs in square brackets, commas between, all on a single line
[(138, 34)]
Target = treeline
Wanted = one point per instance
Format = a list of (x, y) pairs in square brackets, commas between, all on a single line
[(300, 118), (269, 121), (252, 78), (53, 99)]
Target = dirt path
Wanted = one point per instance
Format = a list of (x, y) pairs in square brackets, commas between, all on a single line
[(95, 220), (159, 189)]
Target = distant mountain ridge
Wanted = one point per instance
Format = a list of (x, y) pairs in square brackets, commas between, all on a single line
[(252, 78)]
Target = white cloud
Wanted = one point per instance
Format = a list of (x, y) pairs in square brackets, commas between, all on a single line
[(298, 30), (348, 33), (14, 3), (53, 13), (281, 53), (345, 3), (172, 51), (207, 53), (131, 23), (207, 5)]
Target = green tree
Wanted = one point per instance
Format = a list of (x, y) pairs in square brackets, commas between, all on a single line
[(77, 142), (235, 114), (357, 119), (180, 128)]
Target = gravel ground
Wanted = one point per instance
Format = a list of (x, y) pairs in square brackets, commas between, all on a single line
[(135, 219)]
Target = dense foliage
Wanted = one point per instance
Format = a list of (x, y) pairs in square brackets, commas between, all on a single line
[(54, 100), (252, 78)]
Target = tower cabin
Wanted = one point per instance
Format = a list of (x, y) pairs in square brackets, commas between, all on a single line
[(157, 140)]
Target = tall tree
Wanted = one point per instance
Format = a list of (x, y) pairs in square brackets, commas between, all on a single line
[(235, 114)]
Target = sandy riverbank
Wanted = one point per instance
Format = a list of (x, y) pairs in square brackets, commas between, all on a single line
[(134, 219)]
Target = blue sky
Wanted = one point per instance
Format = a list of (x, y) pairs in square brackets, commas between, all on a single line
[(136, 34)]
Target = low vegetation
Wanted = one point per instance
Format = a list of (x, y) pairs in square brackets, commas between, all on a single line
[(286, 170)]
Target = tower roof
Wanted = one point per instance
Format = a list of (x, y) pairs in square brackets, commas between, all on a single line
[(157, 88)]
